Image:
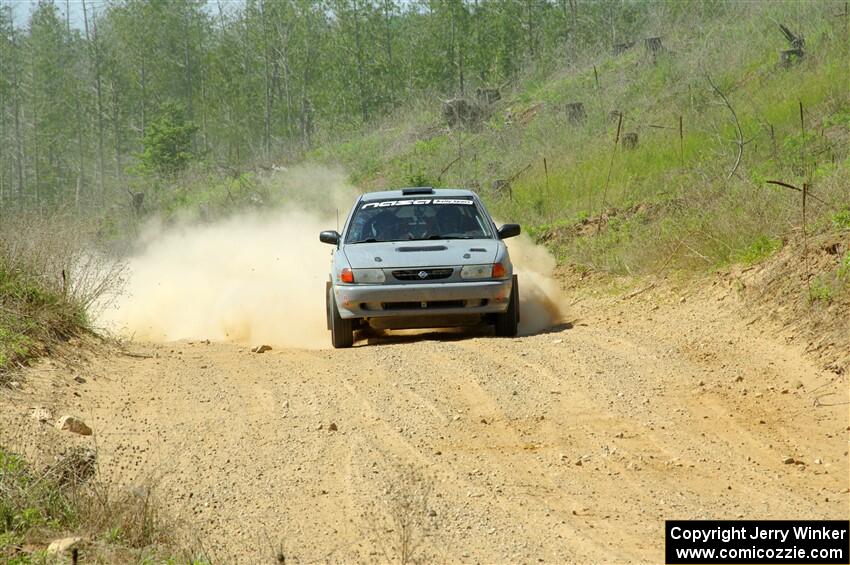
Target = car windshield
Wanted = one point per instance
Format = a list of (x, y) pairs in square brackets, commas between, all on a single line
[(415, 219)]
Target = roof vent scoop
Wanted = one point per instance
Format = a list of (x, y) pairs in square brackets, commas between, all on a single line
[(417, 190)]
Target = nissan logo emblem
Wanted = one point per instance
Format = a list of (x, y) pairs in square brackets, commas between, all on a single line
[(423, 274)]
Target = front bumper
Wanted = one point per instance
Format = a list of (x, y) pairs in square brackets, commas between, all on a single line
[(432, 299)]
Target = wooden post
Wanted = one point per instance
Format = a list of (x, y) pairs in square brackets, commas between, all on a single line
[(681, 141), (805, 237), (608, 178), (802, 141), (773, 140), (575, 113)]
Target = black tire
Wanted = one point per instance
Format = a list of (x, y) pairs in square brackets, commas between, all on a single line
[(507, 324), (342, 330)]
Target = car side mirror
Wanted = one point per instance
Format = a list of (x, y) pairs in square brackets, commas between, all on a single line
[(509, 230), (330, 236)]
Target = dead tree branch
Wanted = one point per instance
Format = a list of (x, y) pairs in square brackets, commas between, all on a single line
[(740, 140), (792, 187)]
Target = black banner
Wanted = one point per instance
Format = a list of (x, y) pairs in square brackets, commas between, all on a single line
[(813, 542)]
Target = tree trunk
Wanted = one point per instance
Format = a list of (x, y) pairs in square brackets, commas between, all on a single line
[(361, 72), (19, 142), (94, 56), (306, 113), (116, 130), (143, 83), (36, 152), (566, 29), (529, 8), (388, 46), (267, 127), (3, 190), (187, 65), (282, 60)]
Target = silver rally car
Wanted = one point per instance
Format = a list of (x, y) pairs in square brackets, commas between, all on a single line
[(420, 258)]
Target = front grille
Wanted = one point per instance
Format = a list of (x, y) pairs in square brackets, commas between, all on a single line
[(417, 274), (423, 305)]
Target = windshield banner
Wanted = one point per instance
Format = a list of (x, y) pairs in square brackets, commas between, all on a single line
[(416, 202)]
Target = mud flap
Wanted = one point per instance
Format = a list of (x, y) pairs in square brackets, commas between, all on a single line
[(328, 299)]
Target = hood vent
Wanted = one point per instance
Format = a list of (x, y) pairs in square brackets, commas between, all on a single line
[(423, 248)]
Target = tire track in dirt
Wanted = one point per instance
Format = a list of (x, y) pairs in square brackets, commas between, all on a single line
[(567, 446)]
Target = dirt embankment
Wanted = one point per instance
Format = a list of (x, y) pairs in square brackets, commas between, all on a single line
[(572, 444)]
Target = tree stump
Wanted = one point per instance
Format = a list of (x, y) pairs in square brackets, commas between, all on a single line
[(137, 199), (460, 111), (488, 95), (620, 48), (654, 47), (575, 113), (789, 57), (499, 185), (630, 140), (796, 53)]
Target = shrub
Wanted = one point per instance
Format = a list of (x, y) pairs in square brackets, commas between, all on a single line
[(50, 279), (841, 220), (759, 250), (67, 497), (168, 142), (820, 291)]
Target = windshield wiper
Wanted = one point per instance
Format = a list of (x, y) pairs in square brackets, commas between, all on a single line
[(367, 240)]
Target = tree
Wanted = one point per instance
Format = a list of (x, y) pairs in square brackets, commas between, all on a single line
[(168, 142)]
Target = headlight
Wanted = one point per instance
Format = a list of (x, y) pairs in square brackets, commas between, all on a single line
[(494, 271), (369, 276), (476, 271)]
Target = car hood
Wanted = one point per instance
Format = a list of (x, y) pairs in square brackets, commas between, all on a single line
[(430, 253)]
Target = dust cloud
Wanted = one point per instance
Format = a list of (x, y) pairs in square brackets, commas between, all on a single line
[(540, 297), (260, 277), (253, 278)]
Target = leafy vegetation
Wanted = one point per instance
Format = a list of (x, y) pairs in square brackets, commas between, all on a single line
[(49, 280), (820, 291), (841, 220), (167, 142), (762, 248), (184, 103), (85, 95), (707, 207), (32, 316), (37, 506)]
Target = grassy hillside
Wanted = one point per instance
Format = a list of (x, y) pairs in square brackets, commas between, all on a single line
[(49, 278), (672, 200)]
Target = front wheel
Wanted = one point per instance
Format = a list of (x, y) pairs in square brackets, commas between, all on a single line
[(342, 330), (507, 324)]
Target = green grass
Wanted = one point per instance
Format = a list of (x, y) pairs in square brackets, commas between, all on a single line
[(33, 316), (841, 220), (50, 275), (844, 269), (820, 291), (28, 504), (709, 219), (38, 506), (762, 248), (833, 285)]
